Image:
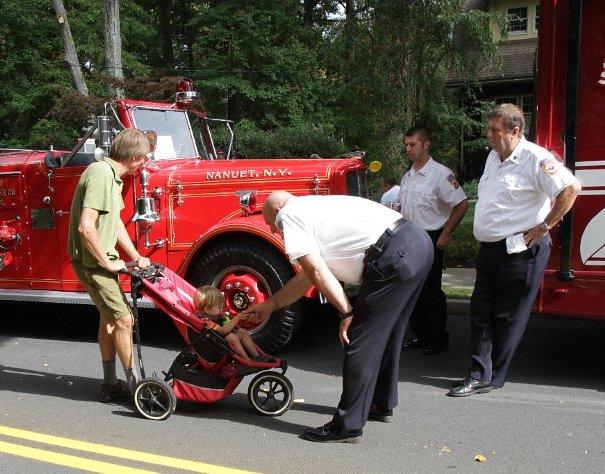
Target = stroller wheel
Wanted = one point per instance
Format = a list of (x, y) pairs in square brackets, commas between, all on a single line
[(154, 399), (270, 393)]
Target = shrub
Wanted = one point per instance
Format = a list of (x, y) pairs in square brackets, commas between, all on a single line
[(297, 141), (470, 188), (463, 248)]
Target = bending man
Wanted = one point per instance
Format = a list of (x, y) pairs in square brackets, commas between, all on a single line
[(358, 241)]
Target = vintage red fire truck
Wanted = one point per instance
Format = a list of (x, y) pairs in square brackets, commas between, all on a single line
[(195, 210), (571, 110)]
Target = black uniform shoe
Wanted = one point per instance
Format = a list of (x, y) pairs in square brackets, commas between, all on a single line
[(380, 414), (470, 387), (329, 433), (412, 344), (435, 348)]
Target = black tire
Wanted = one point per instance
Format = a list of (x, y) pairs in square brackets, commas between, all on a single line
[(154, 399), (270, 394), (264, 261)]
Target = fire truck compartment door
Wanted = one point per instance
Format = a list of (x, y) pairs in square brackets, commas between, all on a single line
[(13, 215), (42, 190)]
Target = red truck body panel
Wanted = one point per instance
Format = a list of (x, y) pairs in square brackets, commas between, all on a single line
[(585, 295)]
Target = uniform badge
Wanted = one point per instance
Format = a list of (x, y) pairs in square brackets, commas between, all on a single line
[(452, 180), (548, 166)]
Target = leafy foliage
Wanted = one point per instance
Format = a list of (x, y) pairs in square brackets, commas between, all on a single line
[(298, 76)]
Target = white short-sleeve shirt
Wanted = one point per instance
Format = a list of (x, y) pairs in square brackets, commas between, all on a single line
[(515, 194), (390, 196), (427, 196), (338, 228)]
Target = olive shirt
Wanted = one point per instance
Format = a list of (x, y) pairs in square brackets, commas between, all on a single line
[(100, 188)]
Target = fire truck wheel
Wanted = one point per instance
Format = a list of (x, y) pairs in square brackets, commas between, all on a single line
[(249, 271)]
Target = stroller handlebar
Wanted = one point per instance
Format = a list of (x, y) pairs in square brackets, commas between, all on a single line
[(126, 270)]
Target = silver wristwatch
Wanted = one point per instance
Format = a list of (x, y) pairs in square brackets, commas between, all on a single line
[(543, 225)]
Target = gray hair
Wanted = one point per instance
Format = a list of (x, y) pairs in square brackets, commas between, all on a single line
[(510, 114)]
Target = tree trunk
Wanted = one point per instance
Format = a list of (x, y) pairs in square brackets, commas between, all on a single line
[(71, 56), (189, 33), (113, 44), (309, 7), (165, 13), (350, 20)]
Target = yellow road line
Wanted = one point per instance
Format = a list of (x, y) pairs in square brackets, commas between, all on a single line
[(119, 452), (66, 460)]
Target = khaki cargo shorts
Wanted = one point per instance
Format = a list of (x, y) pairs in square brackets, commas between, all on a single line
[(104, 290)]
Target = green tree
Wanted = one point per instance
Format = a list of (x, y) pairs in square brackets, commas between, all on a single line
[(258, 61), (36, 81), (401, 60)]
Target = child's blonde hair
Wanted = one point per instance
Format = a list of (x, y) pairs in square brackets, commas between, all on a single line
[(208, 296)]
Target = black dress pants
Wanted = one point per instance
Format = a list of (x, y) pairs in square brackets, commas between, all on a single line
[(389, 288), (429, 318), (505, 290)]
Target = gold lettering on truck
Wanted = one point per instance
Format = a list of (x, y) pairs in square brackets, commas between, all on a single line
[(243, 174), (7, 192)]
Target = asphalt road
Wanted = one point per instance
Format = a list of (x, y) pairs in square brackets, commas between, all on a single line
[(550, 416)]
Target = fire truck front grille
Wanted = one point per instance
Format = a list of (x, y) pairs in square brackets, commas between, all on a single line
[(357, 184)]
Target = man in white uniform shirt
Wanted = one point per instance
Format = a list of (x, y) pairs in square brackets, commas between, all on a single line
[(431, 198), (523, 193), (353, 240)]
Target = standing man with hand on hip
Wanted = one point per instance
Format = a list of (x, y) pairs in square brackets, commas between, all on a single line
[(358, 241), (431, 198), (94, 229), (523, 192)]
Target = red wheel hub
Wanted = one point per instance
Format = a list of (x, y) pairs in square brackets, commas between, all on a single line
[(242, 290)]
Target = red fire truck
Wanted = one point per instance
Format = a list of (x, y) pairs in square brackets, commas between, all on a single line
[(195, 210), (571, 110)]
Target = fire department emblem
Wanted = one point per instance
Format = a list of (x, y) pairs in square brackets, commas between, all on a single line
[(548, 166), (453, 181)]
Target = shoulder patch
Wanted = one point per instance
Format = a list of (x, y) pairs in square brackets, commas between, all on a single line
[(549, 166), (452, 180)]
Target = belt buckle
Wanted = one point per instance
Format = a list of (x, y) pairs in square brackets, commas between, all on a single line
[(371, 254)]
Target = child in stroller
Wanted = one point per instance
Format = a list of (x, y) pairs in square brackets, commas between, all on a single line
[(209, 305), (207, 369)]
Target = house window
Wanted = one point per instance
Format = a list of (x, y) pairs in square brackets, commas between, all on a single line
[(517, 20), (537, 19), (505, 100), (528, 104)]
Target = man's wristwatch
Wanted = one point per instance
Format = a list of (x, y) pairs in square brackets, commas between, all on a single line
[(345, 315), (543, 226)]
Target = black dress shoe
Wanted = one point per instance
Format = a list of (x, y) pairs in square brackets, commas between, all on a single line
[(470, 387), (380, 414), (434, 348), (330, 433), (412, 344)]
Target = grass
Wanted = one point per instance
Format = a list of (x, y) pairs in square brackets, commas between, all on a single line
[(457, 293), (463, 248)]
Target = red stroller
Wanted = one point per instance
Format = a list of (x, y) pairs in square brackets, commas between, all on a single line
[(207, 370)]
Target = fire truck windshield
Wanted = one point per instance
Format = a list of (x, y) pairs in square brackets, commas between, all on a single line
[(175, 138)]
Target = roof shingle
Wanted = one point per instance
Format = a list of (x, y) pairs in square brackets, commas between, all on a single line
[(518, 58)]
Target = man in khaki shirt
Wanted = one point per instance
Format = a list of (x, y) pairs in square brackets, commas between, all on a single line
[(95, 228)]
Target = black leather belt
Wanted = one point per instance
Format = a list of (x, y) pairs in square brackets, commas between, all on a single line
[(375, 250), (497, 243)]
